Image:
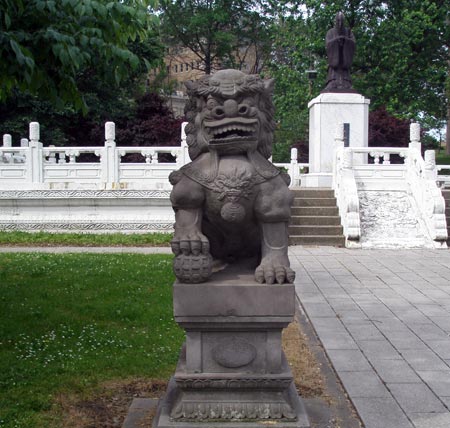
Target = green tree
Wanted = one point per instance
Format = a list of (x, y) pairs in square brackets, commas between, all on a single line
[(45, 45), (216, 31)]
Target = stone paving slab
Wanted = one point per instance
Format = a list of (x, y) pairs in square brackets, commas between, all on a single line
[(389, 311)]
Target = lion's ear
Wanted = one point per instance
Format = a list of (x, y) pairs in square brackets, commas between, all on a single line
[(269, 84)]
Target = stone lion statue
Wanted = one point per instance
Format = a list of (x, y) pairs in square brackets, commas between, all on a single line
[(230, 202)]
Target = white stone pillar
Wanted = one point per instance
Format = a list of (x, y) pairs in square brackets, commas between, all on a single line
[(7, 142), (35, 158), (325, 112), (294, 173), (109, 158), (430, 165), (414, 136)]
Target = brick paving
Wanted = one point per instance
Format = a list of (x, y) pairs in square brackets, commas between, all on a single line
[(383, 318)]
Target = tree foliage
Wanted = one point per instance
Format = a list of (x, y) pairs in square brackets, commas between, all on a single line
[(386, 130), (46, 44), (144, 121), (151, 123), (215, 31)]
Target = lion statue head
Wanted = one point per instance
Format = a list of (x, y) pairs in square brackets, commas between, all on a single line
[(230, 113)]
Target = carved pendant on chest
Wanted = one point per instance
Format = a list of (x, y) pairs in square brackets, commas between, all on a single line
[(232, 186)]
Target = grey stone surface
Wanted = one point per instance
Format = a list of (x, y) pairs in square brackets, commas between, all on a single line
[(233, 292), (363, 384), (431, 420), (423, 359), (381, 413), (378, 350), (416, 398), (348, 360), (438, 381), (139, 411), (395, 371), (337, 340)]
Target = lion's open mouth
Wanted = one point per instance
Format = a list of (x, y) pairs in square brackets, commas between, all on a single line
[(227, 131)]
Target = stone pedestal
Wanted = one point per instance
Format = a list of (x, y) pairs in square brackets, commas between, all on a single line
[(232, 371), (325, 112)]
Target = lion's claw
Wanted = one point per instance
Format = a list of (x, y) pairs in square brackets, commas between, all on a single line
[(190, 244), (269, 274)]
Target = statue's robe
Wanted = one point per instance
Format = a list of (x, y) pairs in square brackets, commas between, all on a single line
[(340, 46)]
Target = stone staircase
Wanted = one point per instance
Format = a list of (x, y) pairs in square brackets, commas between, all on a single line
[(315, 218), (446, 195)]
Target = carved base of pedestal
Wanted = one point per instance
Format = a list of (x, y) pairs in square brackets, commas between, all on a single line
[(228, 410), (231, 400)]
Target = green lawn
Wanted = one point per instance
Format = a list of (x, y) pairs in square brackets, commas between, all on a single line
[(84, 239), (69, 322)]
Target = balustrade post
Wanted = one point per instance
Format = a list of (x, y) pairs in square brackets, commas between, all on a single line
[(7, 142), (414, 137), (24, 142), (294, 173), (109, 157), (35, 159), (430, 165)]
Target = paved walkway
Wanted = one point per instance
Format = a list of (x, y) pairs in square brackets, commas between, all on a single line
[(383, 317)]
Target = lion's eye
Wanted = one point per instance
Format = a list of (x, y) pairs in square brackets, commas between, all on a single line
[(211, 103), (248, 101)]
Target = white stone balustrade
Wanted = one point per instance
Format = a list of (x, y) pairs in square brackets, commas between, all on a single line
[(415, 175), (32, 166), (345, 190)]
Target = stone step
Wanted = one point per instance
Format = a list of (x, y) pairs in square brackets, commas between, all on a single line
[(313, 193), (314, 202), (315, 211), (305, 220), (336, 241), (315, 230)]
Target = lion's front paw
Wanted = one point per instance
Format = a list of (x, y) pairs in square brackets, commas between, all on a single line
[(190, 243), (192, 263), (274, 270)]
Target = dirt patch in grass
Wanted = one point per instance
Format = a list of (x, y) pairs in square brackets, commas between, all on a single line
[(108, 407)]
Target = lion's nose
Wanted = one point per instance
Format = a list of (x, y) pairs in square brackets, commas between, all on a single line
[(231, 108)]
